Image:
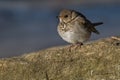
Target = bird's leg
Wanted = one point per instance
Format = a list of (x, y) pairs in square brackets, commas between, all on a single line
[(70, 47), (78, 44), (75, 46)]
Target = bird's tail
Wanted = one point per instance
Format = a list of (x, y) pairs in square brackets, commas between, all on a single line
[(98, 23), (93, 28)]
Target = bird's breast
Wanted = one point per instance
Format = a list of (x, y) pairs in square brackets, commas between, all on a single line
[(74, 33)]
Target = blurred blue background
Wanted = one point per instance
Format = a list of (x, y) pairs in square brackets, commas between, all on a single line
[(31, 26)]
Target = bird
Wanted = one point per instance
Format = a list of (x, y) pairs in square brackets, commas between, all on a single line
[(74, 27)]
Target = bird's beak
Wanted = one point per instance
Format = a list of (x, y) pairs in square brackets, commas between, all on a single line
[(57, 16)]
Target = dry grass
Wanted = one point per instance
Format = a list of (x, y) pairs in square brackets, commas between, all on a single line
[(99, 60)]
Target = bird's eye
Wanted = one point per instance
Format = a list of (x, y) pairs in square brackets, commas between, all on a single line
[(65, 16)]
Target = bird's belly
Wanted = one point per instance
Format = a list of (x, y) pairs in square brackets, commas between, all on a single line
[(73, 37)]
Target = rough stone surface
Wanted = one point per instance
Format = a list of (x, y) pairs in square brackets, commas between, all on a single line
[(99, 60)]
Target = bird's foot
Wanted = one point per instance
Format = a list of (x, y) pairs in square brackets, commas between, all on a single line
[(78, 44), (70, 47), (74, 46)]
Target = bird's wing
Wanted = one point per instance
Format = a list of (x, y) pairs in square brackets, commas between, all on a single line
[(87, 24), (90, 27)]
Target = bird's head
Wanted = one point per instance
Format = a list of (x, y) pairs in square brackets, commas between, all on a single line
[(67, 15)]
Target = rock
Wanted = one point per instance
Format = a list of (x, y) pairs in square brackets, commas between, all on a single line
[(99, 60)]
